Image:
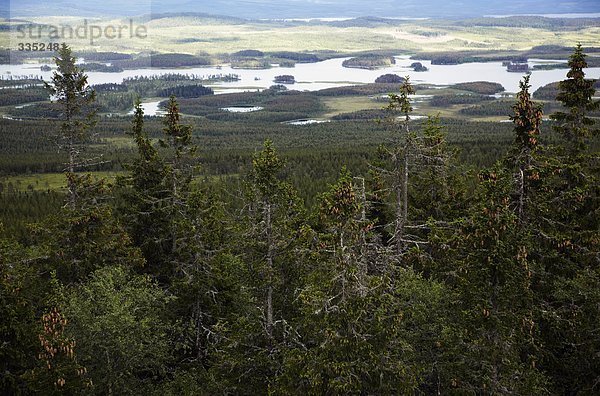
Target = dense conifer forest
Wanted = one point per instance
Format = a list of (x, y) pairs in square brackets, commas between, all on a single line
[(233, 254)]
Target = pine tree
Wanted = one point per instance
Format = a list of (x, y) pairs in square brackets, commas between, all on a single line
[(270, 232), (435, 192), (576, 95), (179, 176), (22, 292), (143, 193), (359, 329), (567, 213), (527, 119), (75, 99), (400, 155), (487, 262), (266, 166), (129, 310), (378, 210)]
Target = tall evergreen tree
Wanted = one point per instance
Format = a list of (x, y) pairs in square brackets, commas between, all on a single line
[(359, 329), (567, 225), (75, 99), (488, 265), (527, 119), (144, 192), (576, 94), (436, 191), (400, 155), (270, 231), (179, 176)]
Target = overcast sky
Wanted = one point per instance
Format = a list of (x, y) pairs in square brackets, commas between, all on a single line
[(299, 8)]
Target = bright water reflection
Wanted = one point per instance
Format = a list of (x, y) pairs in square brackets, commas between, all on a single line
[(331, 73)]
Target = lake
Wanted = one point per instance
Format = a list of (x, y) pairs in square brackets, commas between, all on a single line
[(331, 73)]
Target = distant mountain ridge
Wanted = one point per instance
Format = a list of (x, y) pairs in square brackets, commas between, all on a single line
[(284, 9)]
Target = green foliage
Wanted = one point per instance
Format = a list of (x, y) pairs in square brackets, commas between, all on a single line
[(142, 195), (565, 222), (75, 99), (370, 61), (268, 234), (576, 94), (450, 100), (250, 63), (19, 96), (389, 79), (357, 311), (494, 108), (186, 91), (20, 291), (71, 91), (527, 118), (170, 282), (101, 68), (117, 321), (67, 238), (486, 263), (376, 342), (480, 87), (20, 208)]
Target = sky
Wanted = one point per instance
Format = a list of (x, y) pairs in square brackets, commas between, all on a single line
[(281, 9)]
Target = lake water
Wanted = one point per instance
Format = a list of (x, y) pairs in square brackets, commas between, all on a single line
[(331, 73), (151, 108)]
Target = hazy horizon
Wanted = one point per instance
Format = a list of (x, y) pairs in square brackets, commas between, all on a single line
[(297, 9)]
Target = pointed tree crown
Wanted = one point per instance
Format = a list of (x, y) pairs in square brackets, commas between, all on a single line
[(576, 94), (527, 118)]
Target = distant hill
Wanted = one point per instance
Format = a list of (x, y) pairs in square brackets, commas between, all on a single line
[(285, 9)]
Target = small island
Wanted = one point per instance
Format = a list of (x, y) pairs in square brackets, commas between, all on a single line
[(551, 66), (250, 64), (101, 67), (370, 62), (284, 79), (418, 67), (518, 67), (389, 79), (480, 87)]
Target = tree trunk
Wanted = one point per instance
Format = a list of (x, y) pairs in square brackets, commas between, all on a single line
[(402, 196), (174, 197), (71, 183), (363, 234), (521, 192), (270, 254)]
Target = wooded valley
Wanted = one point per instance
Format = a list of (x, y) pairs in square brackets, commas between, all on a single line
[(203, 251)]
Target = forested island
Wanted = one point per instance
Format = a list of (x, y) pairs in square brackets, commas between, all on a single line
[(227, 256), (369, 61)]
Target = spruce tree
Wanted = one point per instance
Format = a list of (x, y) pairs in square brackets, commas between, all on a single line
[(360, 331), (144, 192), (527, 119), (75, 99), (576, 94), (401, 154), (179, 176), (487, 262), (567, 224), (268, 241)]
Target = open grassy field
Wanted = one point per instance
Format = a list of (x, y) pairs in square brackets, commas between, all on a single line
[(196, 35), (348, 104), (45, 181), (57, 181)]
